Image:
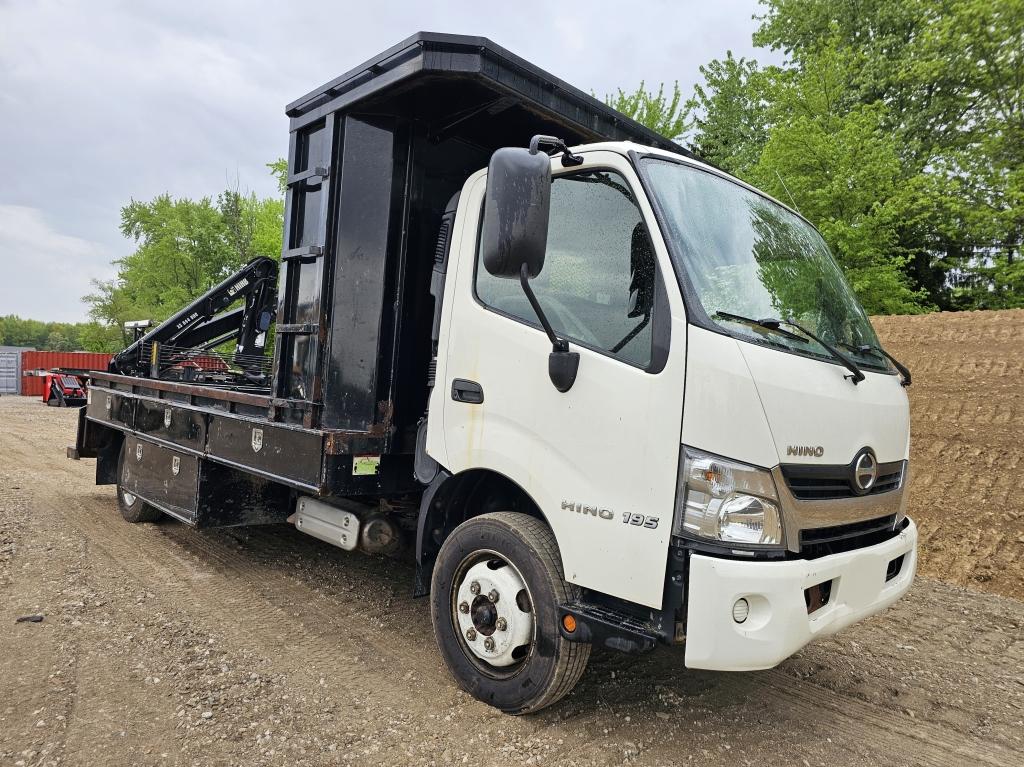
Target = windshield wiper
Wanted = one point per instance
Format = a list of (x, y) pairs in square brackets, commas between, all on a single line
[(856, 375), (768, 324), (878, 351)]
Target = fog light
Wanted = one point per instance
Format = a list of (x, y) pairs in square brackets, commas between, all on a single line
[(740, 610)]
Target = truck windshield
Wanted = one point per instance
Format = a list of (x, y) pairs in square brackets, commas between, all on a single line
[(748, 257)]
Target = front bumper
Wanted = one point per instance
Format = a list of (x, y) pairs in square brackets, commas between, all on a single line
[(778, 623)]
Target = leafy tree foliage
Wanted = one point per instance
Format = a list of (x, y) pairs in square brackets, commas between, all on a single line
[(183, 248), (836, 164), (662, 114), (728, 114), (46, 336), (896, 128)]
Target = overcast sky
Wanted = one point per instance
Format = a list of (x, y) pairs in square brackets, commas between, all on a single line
[(102, 102)]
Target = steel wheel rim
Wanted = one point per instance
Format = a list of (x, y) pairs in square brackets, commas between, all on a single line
[(460, 620)]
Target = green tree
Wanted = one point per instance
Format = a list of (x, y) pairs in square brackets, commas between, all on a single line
[(951, 76), (58, 342), (279, 170), (183, 248), (837, 165), (101, 337), (897, 129), (662, 114), (728, 114), (50, 336), (980, 43)]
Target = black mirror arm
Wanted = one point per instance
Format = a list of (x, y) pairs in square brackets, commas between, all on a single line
[(568, 158), (557, 344), (563, 365)]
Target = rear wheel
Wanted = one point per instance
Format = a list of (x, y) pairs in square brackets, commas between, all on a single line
[(495, 593), (132, 508)]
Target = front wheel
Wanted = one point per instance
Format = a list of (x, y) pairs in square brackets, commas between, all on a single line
[(495, 594)]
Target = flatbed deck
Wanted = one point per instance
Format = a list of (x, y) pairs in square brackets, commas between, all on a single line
[(233, 429)]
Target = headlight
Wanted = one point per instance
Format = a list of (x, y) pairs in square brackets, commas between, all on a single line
[(726, 501)]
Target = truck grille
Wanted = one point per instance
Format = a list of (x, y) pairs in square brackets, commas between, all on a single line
[(808, 482), (822, 541)]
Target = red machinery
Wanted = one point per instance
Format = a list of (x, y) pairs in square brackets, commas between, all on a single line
[(63, 390)]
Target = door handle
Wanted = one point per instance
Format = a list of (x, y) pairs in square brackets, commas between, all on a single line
[(469, 392)]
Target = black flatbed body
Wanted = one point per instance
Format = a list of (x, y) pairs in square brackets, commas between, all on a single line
[(219, 424)]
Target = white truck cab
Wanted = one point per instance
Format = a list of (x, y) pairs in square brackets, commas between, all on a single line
[(734, 442)]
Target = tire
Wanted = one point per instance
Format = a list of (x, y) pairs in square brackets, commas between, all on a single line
[(132, 508), (511, 549)]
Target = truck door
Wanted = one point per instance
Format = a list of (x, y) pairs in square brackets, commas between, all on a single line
[(601, 459)]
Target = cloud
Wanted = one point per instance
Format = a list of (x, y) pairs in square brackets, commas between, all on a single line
[(43, 269), (106, 102)]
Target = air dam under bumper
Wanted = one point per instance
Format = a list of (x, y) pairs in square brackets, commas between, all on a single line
[(778, 623)]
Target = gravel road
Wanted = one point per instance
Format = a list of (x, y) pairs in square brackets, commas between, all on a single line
[(161, 645)]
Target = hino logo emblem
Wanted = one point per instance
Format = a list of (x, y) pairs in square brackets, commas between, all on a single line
[(594, 511), (138, 451), (167, 417), (816, 451), (175, 465), (257, 440), (865, 471)]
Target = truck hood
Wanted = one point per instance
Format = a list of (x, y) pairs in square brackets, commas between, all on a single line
[(815, 415)]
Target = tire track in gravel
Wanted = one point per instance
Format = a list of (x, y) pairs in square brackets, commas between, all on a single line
[(234, 595), (246, 603), (62, 667), (923, 743), (222, 587), (319, 627)]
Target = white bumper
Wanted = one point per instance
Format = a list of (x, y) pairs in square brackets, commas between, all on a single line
[(778, 624)]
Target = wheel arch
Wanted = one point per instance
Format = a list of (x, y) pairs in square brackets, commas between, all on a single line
[(451, 499)]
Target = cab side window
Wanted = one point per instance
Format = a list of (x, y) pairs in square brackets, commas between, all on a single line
[(598, 282)]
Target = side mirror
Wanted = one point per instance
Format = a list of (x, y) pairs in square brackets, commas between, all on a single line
[(516, 211), (514, 236)]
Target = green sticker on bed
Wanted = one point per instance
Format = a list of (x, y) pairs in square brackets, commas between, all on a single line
[(364, 465)]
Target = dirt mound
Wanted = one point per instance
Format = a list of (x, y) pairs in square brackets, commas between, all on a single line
[(967, 422)]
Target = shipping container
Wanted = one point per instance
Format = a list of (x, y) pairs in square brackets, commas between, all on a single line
[(10, 368), (32, 386), (33, 363), (74, 361)]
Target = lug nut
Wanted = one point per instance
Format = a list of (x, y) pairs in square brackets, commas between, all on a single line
[(488, 644), (501, 624), (474, 588), (463, 607), (471, 635), (493, 595)]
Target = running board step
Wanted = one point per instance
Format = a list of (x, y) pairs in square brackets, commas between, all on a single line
[(602, 626)]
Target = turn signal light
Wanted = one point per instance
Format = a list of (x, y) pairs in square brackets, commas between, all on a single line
[(569, 623)]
